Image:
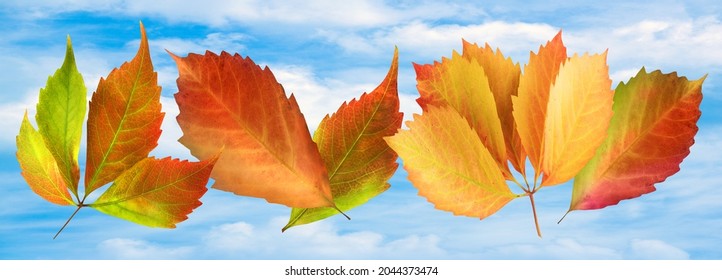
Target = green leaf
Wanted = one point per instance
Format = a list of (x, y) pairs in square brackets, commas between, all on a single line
[(60, 115)]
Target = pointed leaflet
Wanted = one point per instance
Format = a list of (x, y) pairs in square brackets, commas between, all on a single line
[(230, 103), (578, 114), (157, 192), (653, 127), (60, 115), (462, 84), (449, 165), (39, 167), (503, 77), (530, 106), (351, 144), (124, 119)]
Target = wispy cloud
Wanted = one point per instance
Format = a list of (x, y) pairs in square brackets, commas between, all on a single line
[(121, 248)]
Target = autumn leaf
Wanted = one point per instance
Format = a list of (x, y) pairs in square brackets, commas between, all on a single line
[(530, 105), (123, 127), (462, 85), (449, 165), (60, 115), (653, 127), (156, 192), (578, 114), (558, 113), (229, 103), (353, 149), (39, 167), (124, 119), (503, 77)]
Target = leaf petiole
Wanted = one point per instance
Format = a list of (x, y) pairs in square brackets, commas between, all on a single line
[(80, 205), (533, 209)]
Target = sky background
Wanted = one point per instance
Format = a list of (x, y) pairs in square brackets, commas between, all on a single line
[(327, 52)]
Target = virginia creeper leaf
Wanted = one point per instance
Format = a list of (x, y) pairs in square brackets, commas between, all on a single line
[(60, 116), (124, 125), (124, 119), (503, 77), (157, 192), (578, 114), (449, 165), (530, 106), (353, 149), (229, 103), (39, 167), (653, 127), (462, 84)]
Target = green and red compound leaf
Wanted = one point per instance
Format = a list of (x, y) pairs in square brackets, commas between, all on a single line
[(124, 125), (157, 192), (229, 103), (353, 149), (124, 119), (449, 165), (653, 127)]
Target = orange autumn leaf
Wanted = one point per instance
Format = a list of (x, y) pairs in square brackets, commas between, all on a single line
[(168, 188), (228, 103), (449, 165), (530, 106), (578, 114), (123, 120), (503, 77), (462, 85)]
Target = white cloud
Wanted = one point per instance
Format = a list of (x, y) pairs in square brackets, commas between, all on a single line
[(670, 44), (275, 13), (121, 248), (655, 250), (231, 42), (316, 240), (429, 41), (562, 248), (168, 144), (320, 96)]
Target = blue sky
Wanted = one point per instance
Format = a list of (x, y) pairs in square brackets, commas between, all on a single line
[(326, 52)]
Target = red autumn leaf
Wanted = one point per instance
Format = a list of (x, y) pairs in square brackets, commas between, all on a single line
[(653, 127), (229, 103)]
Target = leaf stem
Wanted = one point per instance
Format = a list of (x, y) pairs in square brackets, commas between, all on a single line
[(80, 205), (533, 209), (342, 213), (565, 215)]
